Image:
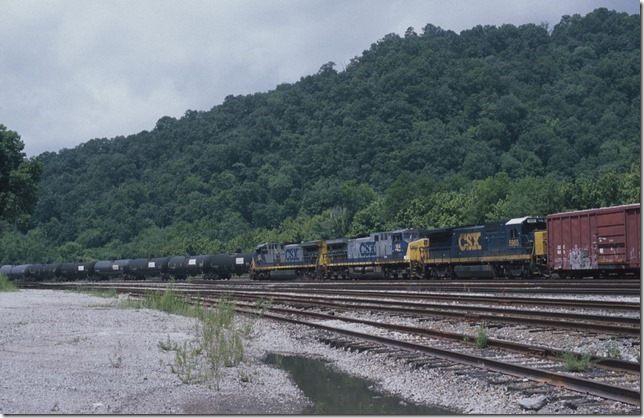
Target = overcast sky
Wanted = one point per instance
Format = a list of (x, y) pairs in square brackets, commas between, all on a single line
[(74, 70)]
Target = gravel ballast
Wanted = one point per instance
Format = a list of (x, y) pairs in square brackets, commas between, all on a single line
[(70, 353)]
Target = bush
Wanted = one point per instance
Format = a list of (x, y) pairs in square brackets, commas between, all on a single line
[(482, 338), (7, 285), (576, 362), (168, 301)]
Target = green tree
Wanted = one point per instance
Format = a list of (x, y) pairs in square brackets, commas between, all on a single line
[(18, 178)]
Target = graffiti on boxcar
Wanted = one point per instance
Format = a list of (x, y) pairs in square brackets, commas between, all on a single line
[(579, 259)]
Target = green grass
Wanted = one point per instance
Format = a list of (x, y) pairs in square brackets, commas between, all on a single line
[(613, 350), (482, 339), (576, 362), (218, 340), (167, 301), (7, 285), (101, 293)]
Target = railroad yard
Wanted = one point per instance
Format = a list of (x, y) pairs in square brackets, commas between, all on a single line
[(468, 346)]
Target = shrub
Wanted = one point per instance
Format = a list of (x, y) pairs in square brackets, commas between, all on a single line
[(218, 340), (7, 285), (482, 338), (576, 362), (613, 350)]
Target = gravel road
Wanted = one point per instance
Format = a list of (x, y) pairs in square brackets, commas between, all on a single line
[(70, 353)]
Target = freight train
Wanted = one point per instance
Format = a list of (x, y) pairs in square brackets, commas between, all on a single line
[(587, 243), (209, 267)]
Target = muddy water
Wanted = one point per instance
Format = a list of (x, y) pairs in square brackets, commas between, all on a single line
[(336, 393)]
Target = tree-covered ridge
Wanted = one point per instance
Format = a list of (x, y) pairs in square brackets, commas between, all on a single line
[(427, 129)]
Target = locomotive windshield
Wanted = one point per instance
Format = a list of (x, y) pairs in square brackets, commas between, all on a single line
[(534, 224)]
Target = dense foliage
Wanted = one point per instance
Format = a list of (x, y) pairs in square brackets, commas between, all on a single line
[(18, 178), (427, 129)]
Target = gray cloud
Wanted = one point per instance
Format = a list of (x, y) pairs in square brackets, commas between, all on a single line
[(73, 70)]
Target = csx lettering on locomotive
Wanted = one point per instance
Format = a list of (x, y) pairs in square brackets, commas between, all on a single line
[(368, 249), (469, 242), (291, 254)]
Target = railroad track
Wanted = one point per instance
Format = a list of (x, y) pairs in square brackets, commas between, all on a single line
[(597, 323), (538, 364), (617, 287), (502, 300), (544, 370), (606, 287)]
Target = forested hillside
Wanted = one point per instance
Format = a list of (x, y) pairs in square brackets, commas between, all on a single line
[(428, 129)]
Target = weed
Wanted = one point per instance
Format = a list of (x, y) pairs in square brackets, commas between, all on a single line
[(613, 350), (576, 362), (482, 337), (319, 408), (101, 293), (116, 358), (220, 339), (261, 307), (218, 343), (186, 362), (167, 345), (245, 376), (167, 301), (7, 285)]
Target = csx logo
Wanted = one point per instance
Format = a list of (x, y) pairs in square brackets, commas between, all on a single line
[(469, 242), (368, 249), (291, 254)]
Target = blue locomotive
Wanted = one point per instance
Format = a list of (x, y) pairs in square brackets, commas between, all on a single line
[(381, 255), (496, 249)]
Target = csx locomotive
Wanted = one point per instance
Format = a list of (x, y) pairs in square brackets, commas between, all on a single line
[(490, 250), (596, 242)]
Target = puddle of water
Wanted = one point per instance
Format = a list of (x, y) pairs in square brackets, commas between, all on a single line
[(334, 393)]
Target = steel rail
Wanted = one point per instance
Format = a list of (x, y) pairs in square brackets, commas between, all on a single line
[(500, 300), (629, 396), (413, 307), (538, 351), (594, 327), (525, 317)]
